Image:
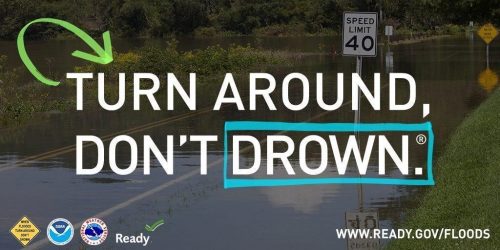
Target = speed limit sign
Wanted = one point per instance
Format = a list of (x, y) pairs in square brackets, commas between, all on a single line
[(359, 36)]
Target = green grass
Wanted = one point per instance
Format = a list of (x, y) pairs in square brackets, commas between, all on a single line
[(466, 194)]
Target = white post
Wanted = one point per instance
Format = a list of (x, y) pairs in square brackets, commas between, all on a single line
[(487, 56)]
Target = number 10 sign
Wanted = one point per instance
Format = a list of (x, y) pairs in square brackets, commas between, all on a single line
[(359, 36)]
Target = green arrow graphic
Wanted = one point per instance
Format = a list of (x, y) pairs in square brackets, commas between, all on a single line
[(104, 56)]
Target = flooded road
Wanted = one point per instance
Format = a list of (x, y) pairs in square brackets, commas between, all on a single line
[(198, 211)]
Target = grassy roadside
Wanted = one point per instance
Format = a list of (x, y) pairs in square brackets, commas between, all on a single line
[(418, 39), (466, 194), (20, 101)]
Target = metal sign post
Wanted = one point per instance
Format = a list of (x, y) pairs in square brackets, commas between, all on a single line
[(488, 32), (488, 55), (357, 120), (359, 38), (359, 68)]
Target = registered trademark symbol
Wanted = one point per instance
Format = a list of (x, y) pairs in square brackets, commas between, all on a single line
[(421, 139)]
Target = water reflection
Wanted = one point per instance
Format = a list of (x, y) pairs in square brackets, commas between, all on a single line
[(302, 199), (306, 199), (488, 80)]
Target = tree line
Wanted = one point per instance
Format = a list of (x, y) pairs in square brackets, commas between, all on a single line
[(157, 18)]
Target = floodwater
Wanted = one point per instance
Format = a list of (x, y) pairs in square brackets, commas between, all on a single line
[(198, 211)]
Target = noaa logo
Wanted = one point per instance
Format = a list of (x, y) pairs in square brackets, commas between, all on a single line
[(94, 231), (60, 231)]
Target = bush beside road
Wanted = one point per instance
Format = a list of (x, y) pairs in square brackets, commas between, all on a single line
[(467, 183)]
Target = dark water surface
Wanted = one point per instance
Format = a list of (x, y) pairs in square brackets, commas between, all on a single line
[(198, 211)]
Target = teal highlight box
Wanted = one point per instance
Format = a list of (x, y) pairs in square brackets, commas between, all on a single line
[(327, 127)]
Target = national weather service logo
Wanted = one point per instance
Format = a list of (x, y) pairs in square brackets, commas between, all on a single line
[(94, 231), (60, 231)]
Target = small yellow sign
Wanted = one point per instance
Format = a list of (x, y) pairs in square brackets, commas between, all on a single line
[(24, 231), (488, 80), (488, 32)]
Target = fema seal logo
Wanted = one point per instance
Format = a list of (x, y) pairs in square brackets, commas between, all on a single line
[(94, 231), (60, 231)]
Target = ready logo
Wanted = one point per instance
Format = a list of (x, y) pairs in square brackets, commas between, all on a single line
[(154, 226), (140, 239)]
